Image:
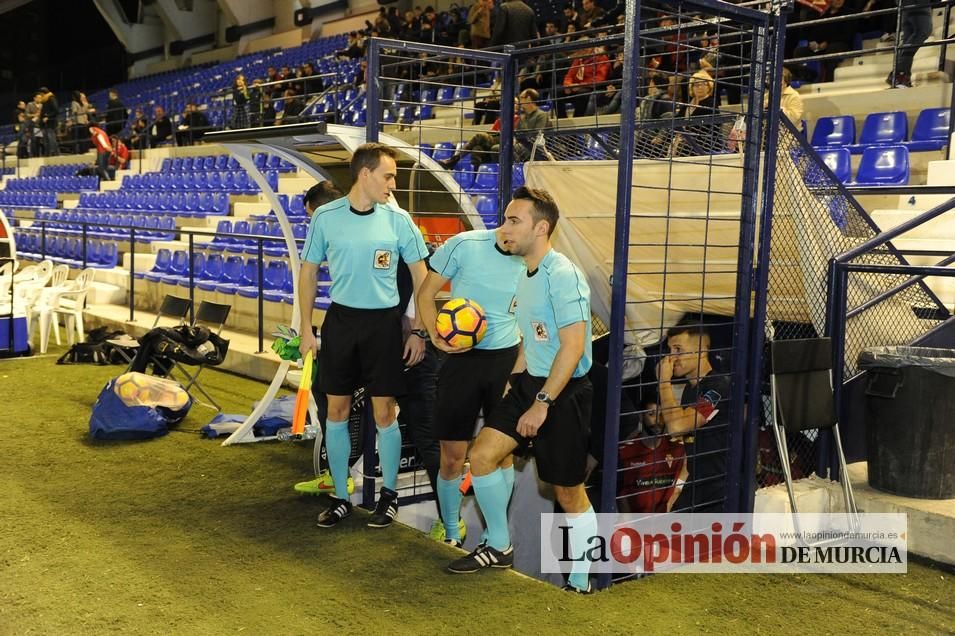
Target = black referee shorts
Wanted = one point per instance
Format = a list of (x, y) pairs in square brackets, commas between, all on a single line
[(469, 383), (560, 447), (361, 348)]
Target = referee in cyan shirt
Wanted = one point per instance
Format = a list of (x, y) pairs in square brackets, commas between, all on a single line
[(362, 236)]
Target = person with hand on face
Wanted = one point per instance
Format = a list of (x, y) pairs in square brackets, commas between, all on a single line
[(362, 236)]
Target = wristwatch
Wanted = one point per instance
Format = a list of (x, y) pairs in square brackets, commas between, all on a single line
[(544, 397), (421, 333)]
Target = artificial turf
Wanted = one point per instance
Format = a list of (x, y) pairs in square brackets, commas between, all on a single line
[(179, 535)]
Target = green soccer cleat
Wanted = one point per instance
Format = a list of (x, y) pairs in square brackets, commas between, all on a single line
[(438, 533), (322, 485)]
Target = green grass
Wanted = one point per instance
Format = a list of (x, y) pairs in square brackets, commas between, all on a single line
[(181, 536)]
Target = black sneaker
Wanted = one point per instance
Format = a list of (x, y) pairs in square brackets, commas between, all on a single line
[(576, 590), (483, 556), (339, 510), (386, 510)]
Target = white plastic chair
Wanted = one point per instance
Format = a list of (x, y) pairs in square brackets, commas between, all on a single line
[(70, 304), (41, 307)]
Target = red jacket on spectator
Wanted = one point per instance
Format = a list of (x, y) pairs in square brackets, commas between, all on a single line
[(120, 156), (100, 139), (588, 70)]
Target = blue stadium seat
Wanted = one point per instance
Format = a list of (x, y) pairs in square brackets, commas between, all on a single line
[(175, 267), (443, 150), (931, 130), (464, 176), (834, 131), (884, 165), (273, 285), (487, 178), (211, 274), (882, 129), (839, 161), (231, 275), (237, 244), (220, 240)]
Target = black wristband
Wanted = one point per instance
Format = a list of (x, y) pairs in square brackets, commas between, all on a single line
[(421, 333)]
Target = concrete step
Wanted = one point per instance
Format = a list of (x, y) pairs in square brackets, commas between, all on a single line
[(880, 64), (941, 173), (940, 228)]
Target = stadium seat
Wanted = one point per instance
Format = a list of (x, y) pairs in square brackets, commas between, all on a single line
[(881, 129), (931, 130), (443, 150), (211, 273), (487, 178), (839, 161), (883, 165), (834, 131)]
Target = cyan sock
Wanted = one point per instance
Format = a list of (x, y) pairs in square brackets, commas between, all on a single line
[(508, 474), (491, 493), (449, 500), (582, 528), (389, 453), (338, 447)]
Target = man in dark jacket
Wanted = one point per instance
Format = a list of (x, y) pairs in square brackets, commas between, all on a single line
[(49, 111), (514, 22), (116, 113)]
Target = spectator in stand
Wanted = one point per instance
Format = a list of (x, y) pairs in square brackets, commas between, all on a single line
[(479, 19), (705, 137), (118, 158), (487, 109), (24, 128), (192, 125), (790, 101), (608, 102), (161, 129), (312, 84), (589, 13), (138, 135), (834, 37), (80, 111), (652, 466), (240, 103), (32, 111), (587, 74), (49, 111), (104, 150), (271, 76), (514, 22), (293, 108), (571, 16), (486, 146), (382, 24), (258, 98), (116, 113), (394, 22), (916, 27)]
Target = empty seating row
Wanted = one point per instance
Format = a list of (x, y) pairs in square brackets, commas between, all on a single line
[(226, 240), (149, 227), (880, 165), (28, 199), (237, 181), (186, 204), (53, 184), (293, 206), (61, 249), (223, 162), (930, 131), (231, 275)]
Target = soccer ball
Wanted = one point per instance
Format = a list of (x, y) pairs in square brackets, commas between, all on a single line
[(139, 389), (461, 322)]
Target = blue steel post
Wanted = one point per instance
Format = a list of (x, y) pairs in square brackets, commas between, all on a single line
[(509, 72), (747, 459), (373, 110), (621, 250)]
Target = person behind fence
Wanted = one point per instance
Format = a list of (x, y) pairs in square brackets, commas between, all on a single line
[(138, 131), (362, 235), (651, 465), (471, 380), (546, 411), (49, 111), (790, 101), (699, 415), (80, 111), (111, 153), (829, 38), (479, 18), (587, 74), (161, 130), (698, 137), (240, 103), (193, 124), (116, 113), (486, 146)]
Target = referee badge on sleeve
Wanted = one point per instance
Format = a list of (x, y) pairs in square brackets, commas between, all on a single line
[(382, 259), (513, 306), (540, 331)]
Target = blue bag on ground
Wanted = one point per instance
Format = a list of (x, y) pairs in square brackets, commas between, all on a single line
[(116, 418)]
